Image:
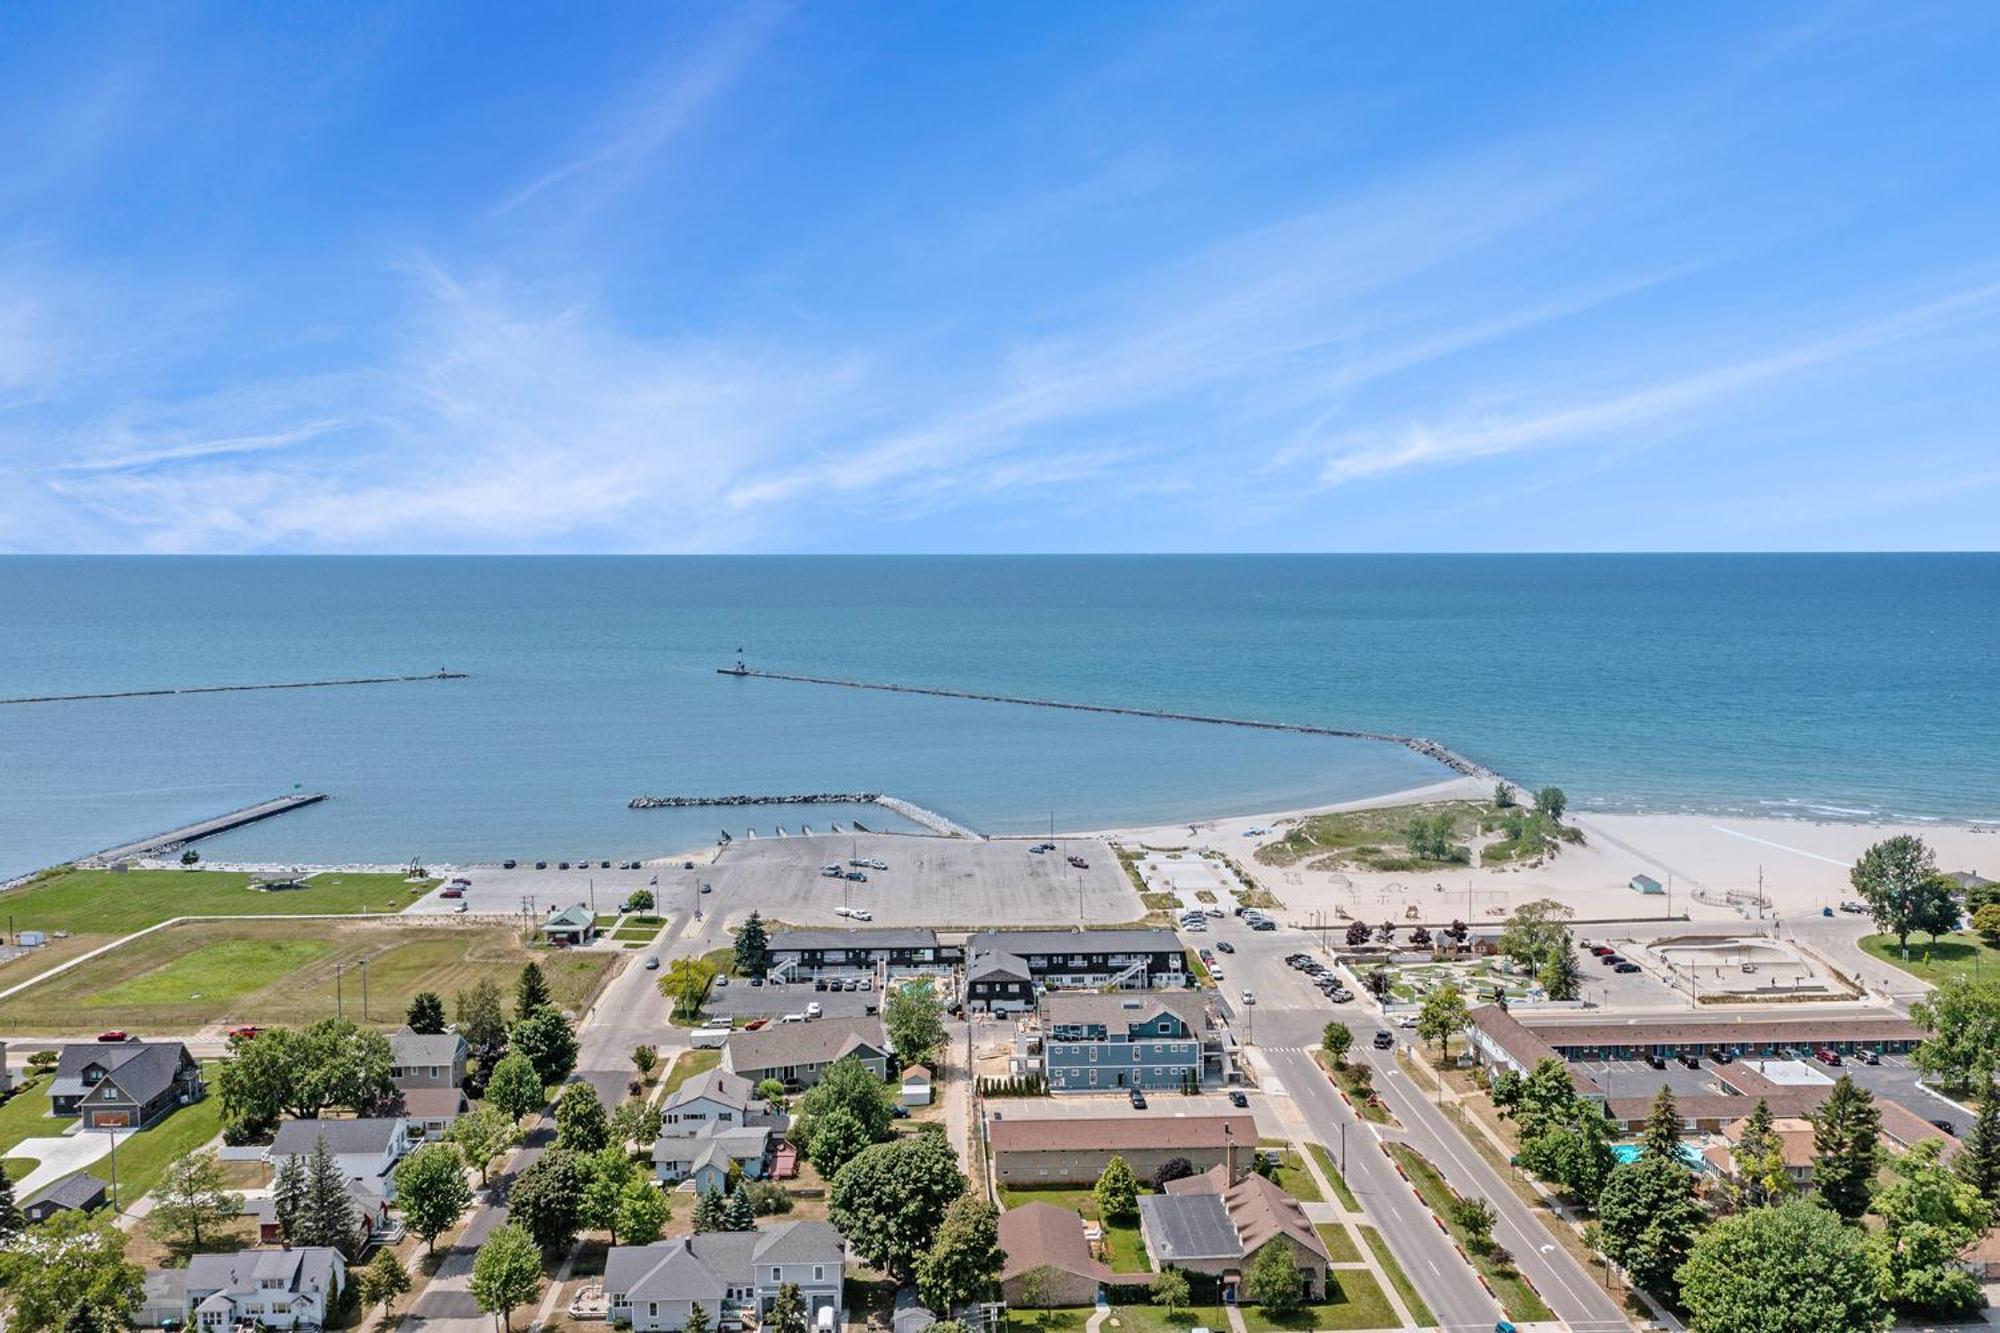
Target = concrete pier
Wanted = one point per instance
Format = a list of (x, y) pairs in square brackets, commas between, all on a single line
[(234, 689), (162, 842), (909, 810), (1430, 749)]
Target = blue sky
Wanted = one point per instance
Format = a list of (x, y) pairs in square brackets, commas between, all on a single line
[(1144, 277)]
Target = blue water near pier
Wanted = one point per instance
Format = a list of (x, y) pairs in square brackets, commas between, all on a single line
[(1824, 686)]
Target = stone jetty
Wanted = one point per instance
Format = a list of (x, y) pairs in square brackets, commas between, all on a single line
[(234, 689), (175, 838)]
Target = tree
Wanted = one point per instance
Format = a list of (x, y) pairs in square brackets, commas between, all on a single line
[(531, 991), (1429, 838), (642, 1211), (772, 1091), (426, 1013), (382, 1280), (547, 1198), (1847, 1146), (1565, 1139), (11, 1220), (1649, 1219), (1896, 878), (1504, 795), (832, 1139), (1174, 1168), (686, 982), (1170, 1292), (288, 1196), (508, 1272), (1475, 1218), (1336, 1039), (788, 1311), (1987, 922), (1038, 1289), (610, 1172), (1761, 1174), (753, 947), (1930, 1215), (302, 1073), (1357, 934), (1274, 1280), (697, 1320), (515, 1088), (635, 1123), (1979, 1163), (481, 1020), (1536, 933), (192, 1198), (70, 1270), (914, 1018), (738, 1214), (483, 1134), (1443, 1017), (326, 1215), (709, 1212), (431, 1192), (848, 1085), (964, 1260), (1386, 933), (1560, 976), (580, 1119), (646, 1059), (1661, 1137), (890, 1200), (1551, 802), (548, 1041), (641, 900), (1117, 1190), (1793, 1268), (1962, 1020), (190, 859)]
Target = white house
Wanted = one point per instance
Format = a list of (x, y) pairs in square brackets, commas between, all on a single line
[(253, 1288), (728, 1273), (366, 1150)]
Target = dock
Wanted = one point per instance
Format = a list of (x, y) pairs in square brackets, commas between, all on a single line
[(909, 810), (1422, 745), (164, 842), (234, 689)]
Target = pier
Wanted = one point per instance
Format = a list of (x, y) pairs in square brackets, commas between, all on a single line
[(909, 810), (249, 814), (1430, 749), (234, 689)]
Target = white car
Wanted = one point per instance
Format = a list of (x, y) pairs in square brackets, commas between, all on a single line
[(878, 864), (862, 914), (1249, 997), (813, 1010), (843, 911), (831, 872), (1215, 971)]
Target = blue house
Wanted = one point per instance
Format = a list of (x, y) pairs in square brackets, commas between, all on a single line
[(1129, 1039)]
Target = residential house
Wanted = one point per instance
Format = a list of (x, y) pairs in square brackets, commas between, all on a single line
[(729, 1273), (570, 925), (432, 1111), (372, 1219), (807, 954), (1214, 1225), (1129, 959), (423, 1060), (797, 1053), (366, 1150), (999, 982), (78, 1192), (270, 1289), (125, 1084), (1795, 1141), (1129, 1039), (711, 1120), (704, 1160), (1044, 1236), (1074, 1150)]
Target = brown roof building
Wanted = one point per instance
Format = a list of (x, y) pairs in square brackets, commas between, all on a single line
[(1041, 1235), (1074, 1150)]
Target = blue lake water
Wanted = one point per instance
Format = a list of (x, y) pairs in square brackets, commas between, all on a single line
[(1856, 686)]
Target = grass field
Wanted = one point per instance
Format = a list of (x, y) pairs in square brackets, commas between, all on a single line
[(106, 902), (685, 1068), (26, 1116), (263, 972), (1397, 1277), (1950, 956), (143, 1158), (1331, 1171), (1338, 1243), (1516, 1297), (1295, 1179), (1153, 1319), (1355, 1301)]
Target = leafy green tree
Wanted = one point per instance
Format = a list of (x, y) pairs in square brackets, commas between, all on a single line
[(1962, 1020), (507, 1272), (1274, 1280), (1987, 922), (515, 1088), (1661, 1136), (1504, 795), (832, 1139), (635, 1123), (848, 1085), (1896, 877), (1117, 1190), (643, 1210), (1649, 1218), (640, 901), (1443, 1017), (1475, 1218), (1170, 1292), (753, 947), (580, 1120), (1535, 933), (431, 1192), (914, 1018), (1552, 802), (70, 1270), (1930, 1215), (610, 1172), (1428, 838), (686, 982), (303, 1072), (326, 1214), (484, 1133), (788, 1311), (1560, 976), (426, 1013), (890, 1200), (1336, 1039), (382, 1280), (1847, 1147), (547, 1198), (1357, 934), (1761, 1175), (1979, 1163), (964, 1260), (646, 1059), (193, 1198), (548, 1041), (773, 1092), (481, 1019), (1565, 1139), (190, 859), (531, 992), (1792, 1268)]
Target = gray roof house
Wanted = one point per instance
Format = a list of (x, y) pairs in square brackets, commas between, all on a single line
[(420, 1060), (366, 1150), (125, 1084), (711, 1120), (268, 1288), (79, 1191), (797, 1053), (730, 1273)]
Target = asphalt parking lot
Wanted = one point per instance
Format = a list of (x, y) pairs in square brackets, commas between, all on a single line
[(526, 890), (740, 1000)]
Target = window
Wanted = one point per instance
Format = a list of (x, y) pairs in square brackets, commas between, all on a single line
[(652, 1309), (777, 1275), (819, 1272)]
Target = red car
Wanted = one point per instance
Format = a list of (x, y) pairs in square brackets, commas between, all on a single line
[(114, 1035), (451, 893), (245, 1032)]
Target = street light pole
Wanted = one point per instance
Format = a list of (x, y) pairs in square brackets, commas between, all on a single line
[(338, 1011), (364, 988)]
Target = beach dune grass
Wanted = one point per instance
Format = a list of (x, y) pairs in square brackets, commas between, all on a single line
[(263, 973), (111, 902)]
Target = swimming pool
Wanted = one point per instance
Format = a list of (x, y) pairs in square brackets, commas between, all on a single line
[(1629, 1152)]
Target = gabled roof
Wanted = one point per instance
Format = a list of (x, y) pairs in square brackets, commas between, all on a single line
[(342, 1136), (741, 1143), (1149, 939), (1259, 1209), (574, 917), (407, 1048), (800, 1243), (79, 1189), (430, 1103), (1037, 1235), (705, 1266), (142, 1069), (1119, 1011), (996, 963), (717, 1085), (1184, 1227), (306, 1269), (821, 1041)]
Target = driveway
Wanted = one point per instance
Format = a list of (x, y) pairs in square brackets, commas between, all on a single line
[(59, 1156)]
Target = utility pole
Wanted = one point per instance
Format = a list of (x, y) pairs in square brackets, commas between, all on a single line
[(338, 1012), (364, 988), (113, 1134)]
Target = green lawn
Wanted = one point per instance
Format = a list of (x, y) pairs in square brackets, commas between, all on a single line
[(106, 902), (1949, 956), (1152, 1319), (143, 1158), (1122, 1239), (1332, 1173), (685, 1068), (26, 1116), (1397, 1277), (1047, 1321), (1295, 1179), (1355, 1301), (1516, 1297), (1338, 1243), (639, 933), (218, 971)]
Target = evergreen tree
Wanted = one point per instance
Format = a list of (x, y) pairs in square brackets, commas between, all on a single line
[(481, 1020), (788, 1312), (326, 1216), (753, 947), (1560, 976), (288, 1197), (1980, 1162), (1117, 1190), (1662, 1136), (708, 1212), (738, 1214), (11, 1220), (531, 992), (1847, 1143), (192, 1197), (697, 1320), (426, 1014)]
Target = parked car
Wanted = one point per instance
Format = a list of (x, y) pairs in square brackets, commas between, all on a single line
[(1626, 969), (1690, 1059), (462, 907), (1721, 1057), (1610, 959), (878, 864), (831, 872), (453, 892), (1946, 1126), (1602, 950), (814, 1010), (863, 914), (1079, 862), (858, 876), (1265, 924), (1138, 1100), (116, 1034), (819, 983), (1656, 1060), (244, 1033), (1249, 997), (1224, 946), (509, 863), (1826, 1055), (541, 865), (1038, 848), (1237, 1099), (1869, 1058)]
